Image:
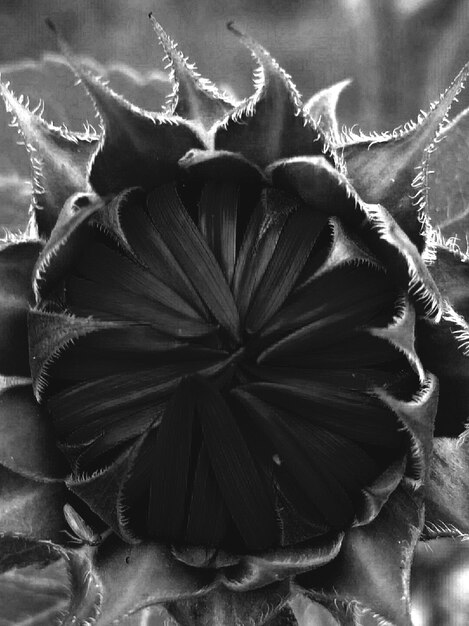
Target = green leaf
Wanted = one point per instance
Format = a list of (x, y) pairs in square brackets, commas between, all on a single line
[(19, 552), (192, 253), (27, 441), (31, 508), (51, 332), (447, 196), (271, 123), (374, 563), (33, 595), (139, 149), (16, 267)]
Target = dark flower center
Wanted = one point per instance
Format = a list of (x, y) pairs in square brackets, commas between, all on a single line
[(236, 388)]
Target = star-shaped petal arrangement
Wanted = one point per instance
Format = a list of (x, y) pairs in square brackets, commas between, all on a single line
[(232, 331)]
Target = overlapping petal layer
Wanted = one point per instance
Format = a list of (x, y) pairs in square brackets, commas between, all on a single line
[(225, 383)]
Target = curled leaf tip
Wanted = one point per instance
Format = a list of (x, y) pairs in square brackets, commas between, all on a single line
[(321, 107), (271, 124)]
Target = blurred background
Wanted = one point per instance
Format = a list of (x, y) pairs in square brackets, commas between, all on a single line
[(401, 54)]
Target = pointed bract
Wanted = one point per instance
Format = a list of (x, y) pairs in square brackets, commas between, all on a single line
[(59, 160), (138, 148), (322, 109), (102, 492), (383, 168), (193, 97), (270, 124)]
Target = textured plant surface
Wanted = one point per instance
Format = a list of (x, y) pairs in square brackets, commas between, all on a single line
[(232, 348)]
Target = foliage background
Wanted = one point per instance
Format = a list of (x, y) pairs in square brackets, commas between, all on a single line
[(400, 53)]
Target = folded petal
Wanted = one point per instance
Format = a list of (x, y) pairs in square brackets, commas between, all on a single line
[(70, 228), (20, 551), (271, 123), (373, 566), (193, 97), (382, 169), (59, 160), (51, 332), (325, 189), (16, 269)]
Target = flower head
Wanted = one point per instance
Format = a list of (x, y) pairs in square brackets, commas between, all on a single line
[(229, 307)]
